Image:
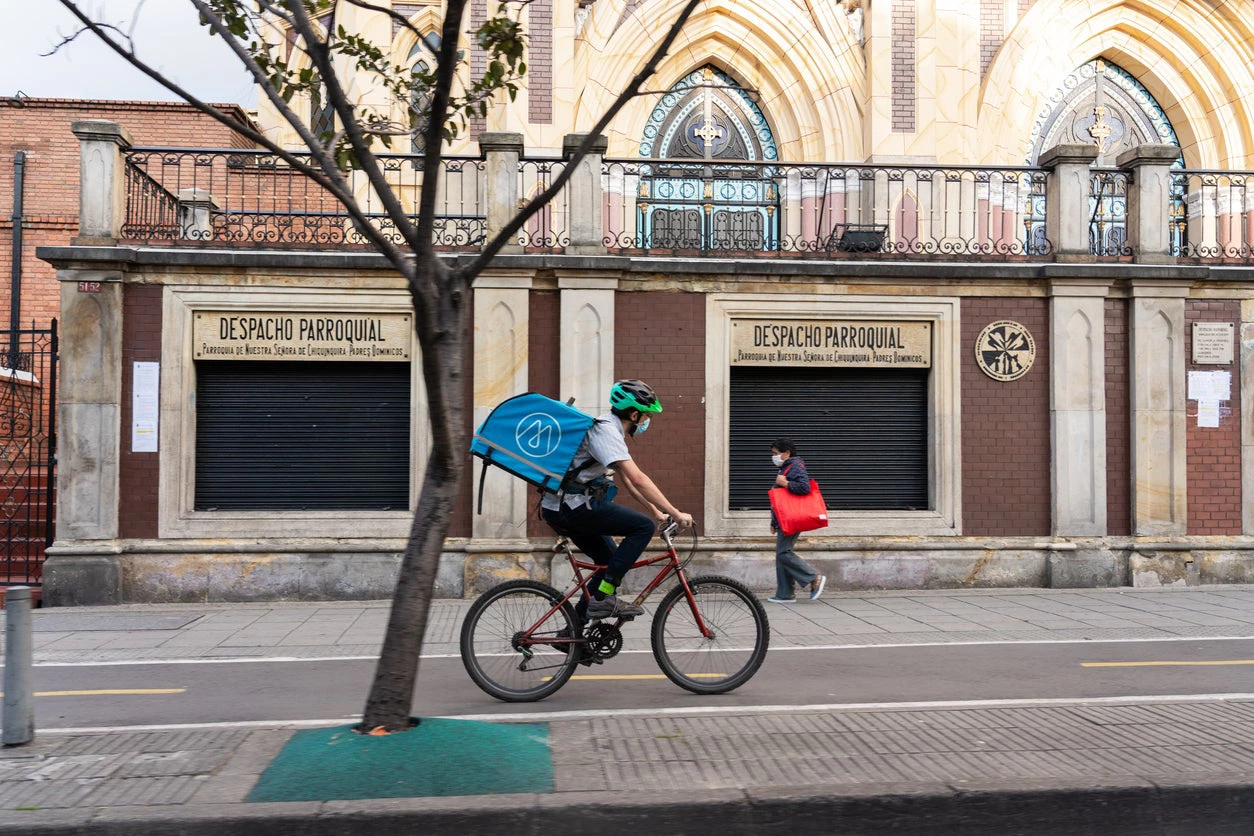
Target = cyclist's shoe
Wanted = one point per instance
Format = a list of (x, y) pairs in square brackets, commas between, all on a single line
[(611, 607)]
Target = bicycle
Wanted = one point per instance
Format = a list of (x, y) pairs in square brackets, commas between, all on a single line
[(521, 640)]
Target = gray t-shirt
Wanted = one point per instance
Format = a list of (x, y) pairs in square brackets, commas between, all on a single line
[(606, 443)]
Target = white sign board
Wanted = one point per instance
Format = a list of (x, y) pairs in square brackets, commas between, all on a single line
[(1208, 389), (145, 406), (1212, 343)]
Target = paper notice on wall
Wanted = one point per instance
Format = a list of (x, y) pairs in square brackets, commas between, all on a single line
[(145, 405), (1208, 389)]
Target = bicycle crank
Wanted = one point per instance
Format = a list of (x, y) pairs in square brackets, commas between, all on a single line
[(604, 641)]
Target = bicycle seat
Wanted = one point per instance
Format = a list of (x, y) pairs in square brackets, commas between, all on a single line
[(558, 530)]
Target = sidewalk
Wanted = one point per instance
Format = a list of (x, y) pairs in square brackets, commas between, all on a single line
[(1141, 766)]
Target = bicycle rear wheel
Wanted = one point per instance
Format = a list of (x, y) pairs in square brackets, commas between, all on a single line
[(499, 660), (736, 648)]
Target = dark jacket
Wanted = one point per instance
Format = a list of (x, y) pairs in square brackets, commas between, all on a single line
[(794, 468)]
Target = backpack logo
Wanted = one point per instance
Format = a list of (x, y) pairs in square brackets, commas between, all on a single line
[(538, 435)]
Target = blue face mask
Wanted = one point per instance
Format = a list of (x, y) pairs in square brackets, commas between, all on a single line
[(641, 427)]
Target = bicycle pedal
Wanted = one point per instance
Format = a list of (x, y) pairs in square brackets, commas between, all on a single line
[(589, 661)]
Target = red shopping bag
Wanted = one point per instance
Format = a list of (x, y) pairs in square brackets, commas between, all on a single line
[(799, 512)]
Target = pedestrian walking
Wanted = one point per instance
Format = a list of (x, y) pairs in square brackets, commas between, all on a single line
[(790, 570)]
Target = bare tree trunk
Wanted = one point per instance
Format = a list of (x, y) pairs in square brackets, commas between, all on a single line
[(392, 692)]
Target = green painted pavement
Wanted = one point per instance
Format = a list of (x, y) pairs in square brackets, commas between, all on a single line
[(437, 757)]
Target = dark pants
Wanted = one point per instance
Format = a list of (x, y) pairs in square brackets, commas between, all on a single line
[(591, 528)]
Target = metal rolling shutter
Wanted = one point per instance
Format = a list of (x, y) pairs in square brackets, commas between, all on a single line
[(302, 436), (862, 433)]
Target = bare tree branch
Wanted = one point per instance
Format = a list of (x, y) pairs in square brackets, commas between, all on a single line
[(433, 138), (69, 39), (398, 18), (320, 54), (328, 173), (507, 233)]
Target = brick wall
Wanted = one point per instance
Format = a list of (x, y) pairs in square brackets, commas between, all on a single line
[(138, 472), (1214, 453), (1118, 421), (1005, 429), (660, 339), (903, 65), (41, 128), (543, 372), (540, 62), (992, 31)]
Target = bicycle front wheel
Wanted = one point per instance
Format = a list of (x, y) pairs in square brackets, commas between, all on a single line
[(498, 658), (735, 648)]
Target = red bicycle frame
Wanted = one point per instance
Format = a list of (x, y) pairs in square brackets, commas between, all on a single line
[(671, 556)]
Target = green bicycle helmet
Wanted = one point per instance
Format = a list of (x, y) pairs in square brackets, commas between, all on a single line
[(626, 395)]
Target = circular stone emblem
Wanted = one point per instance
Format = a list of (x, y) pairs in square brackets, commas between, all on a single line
[(538, 435), (1005, 350)]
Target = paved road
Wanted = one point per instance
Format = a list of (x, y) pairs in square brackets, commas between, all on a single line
[(331, 689), (917, 713), (887, 647)]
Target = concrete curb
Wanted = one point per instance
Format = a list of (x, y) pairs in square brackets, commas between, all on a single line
[(1215, 805)]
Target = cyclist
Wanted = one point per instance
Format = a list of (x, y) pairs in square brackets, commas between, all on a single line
[(587, 513)]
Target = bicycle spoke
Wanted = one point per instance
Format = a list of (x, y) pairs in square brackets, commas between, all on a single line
[(725, 658), (497, 656)]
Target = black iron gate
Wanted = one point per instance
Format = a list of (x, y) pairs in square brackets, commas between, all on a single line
[(28, 408)]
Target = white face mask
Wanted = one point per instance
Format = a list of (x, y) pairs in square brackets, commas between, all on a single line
[(641, 427), (777, 460)]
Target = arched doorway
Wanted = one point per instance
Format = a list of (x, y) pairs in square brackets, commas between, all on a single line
[(696, 197), (1101, 103)]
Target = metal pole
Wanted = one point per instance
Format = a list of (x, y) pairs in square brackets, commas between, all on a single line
[(19, 698)]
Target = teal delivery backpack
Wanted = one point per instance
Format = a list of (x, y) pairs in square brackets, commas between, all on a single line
[(532, 437)]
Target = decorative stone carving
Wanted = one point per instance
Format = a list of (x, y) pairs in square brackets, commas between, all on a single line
[(1005, 350)]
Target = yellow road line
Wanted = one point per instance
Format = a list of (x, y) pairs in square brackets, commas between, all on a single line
[(642, 676), (1163, 664), (110, 692)]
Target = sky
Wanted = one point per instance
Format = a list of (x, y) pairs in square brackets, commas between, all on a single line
[(167, 35)]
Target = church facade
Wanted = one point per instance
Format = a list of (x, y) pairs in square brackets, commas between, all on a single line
[(988, 264)]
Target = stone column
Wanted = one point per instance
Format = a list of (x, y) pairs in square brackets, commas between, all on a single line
[(500, 371), (502, 150), (1246, 360), (1159, 483), (82, 565), (1077, 406), (499, 550), (584, 197), (1067, 209), (1149, 201), (196, 208), (587, 348), (102, 189)]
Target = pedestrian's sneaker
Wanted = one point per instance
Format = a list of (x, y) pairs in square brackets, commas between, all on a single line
[(775, 600), (816, 586), (611, 607)]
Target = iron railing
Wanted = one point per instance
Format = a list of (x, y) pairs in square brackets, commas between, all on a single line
[(233, 196), (28, 440), (1212, 216), (548, 230), (1108, 219), (824, 210)]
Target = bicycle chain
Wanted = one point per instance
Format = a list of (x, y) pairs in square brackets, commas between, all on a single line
[(604, 640)]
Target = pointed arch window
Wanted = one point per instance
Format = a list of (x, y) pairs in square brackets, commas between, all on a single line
[(696, 197), (420, 94), (1102, 104)]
